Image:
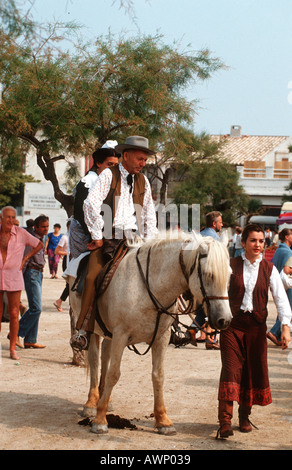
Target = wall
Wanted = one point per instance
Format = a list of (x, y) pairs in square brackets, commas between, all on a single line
[(39, 199)]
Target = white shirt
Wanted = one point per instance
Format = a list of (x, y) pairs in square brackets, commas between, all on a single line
[(63, 243), (238, 244), (125, 218), (250, 275), (89, 180)]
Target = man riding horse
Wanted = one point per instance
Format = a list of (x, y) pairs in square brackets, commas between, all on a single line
[(127, 193)]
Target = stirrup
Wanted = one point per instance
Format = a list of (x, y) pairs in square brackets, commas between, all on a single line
[(79, 342)]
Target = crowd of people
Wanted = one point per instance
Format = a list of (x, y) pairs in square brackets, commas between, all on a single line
[(115, 180)]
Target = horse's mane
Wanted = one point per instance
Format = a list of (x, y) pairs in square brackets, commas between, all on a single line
[(217, 259), (218, 267)]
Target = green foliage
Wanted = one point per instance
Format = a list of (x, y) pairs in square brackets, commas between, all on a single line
[(214, 185), (254, 206), (12, 22), (66, 104), (12, 178), (287, 197)]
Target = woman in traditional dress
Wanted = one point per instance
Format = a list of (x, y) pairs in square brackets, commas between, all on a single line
[(243, 346)]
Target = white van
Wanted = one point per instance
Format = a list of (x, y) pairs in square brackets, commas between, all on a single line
[(286, 207)]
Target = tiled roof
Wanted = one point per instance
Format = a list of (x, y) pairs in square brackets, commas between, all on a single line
[(237, 150)]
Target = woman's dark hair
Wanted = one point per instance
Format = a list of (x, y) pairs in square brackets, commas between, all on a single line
[(251, 228), (101, 154)]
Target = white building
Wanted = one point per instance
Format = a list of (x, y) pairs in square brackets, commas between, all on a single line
[(264, 164)]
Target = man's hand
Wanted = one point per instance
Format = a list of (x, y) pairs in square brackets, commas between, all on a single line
[(286, 336), (95, 244), (287, 270)]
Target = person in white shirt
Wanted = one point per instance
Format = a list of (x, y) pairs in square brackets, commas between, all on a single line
[(63, 252), (118, 206), (237, 244), (243, 346)]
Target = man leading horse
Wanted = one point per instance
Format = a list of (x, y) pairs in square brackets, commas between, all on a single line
[(119, 206)]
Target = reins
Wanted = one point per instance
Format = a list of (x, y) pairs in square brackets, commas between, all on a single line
[(159, 307), (187, 295)]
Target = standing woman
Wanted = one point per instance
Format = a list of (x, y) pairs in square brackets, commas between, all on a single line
[(13, 240), (244, 375), (51, 244)]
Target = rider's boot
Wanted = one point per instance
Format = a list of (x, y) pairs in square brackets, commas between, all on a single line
[(80, 341)]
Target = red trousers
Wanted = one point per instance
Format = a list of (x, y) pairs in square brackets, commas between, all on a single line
[(244, 375)]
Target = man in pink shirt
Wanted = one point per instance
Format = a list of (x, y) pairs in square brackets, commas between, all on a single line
[(13, 241)]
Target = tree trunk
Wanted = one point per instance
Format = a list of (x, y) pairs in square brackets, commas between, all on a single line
[(48, 168), (164, 185), (46, 164)]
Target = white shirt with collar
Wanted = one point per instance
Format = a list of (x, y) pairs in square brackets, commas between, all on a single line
[(250, 275), (125, 218)]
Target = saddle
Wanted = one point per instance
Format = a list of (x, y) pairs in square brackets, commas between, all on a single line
[(113, 252)]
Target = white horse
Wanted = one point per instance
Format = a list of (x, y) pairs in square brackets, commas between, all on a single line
[(137, 306)]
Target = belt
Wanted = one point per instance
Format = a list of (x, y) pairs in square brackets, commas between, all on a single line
[(37, 268)]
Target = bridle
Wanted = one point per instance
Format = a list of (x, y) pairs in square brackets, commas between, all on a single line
[(188, 295), (206, 298)]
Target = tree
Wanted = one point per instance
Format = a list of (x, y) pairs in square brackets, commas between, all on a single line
[(254, 207), (182, 150), (66, 104), (214, 185), (288, 196), (12, 179)]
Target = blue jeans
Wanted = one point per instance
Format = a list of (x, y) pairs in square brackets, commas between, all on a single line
[(277, 329), (238, 252), (29, 322)]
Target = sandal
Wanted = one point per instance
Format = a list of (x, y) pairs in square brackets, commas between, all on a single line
[(14, 355), (58, 307)]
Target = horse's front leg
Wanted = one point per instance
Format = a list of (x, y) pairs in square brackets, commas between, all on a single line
[(118, 344), (89, 408), (162, 421)]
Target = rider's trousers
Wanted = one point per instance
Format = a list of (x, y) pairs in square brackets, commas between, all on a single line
[(87, 317)]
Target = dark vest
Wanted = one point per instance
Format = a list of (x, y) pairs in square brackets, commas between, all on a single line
[(260, 293), (115, 191), (80, 196)]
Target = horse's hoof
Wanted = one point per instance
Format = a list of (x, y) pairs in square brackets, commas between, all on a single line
[(167, 430), (89, 412), (99, 428)]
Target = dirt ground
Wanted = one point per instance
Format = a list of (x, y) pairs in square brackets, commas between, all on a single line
[(41, 397)]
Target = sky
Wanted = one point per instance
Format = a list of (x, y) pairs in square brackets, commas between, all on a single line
[(253, 38)]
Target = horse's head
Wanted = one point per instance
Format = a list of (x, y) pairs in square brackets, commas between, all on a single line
[(209, 280)]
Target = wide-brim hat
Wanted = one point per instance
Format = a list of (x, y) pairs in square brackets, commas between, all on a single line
[(135, 142)]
